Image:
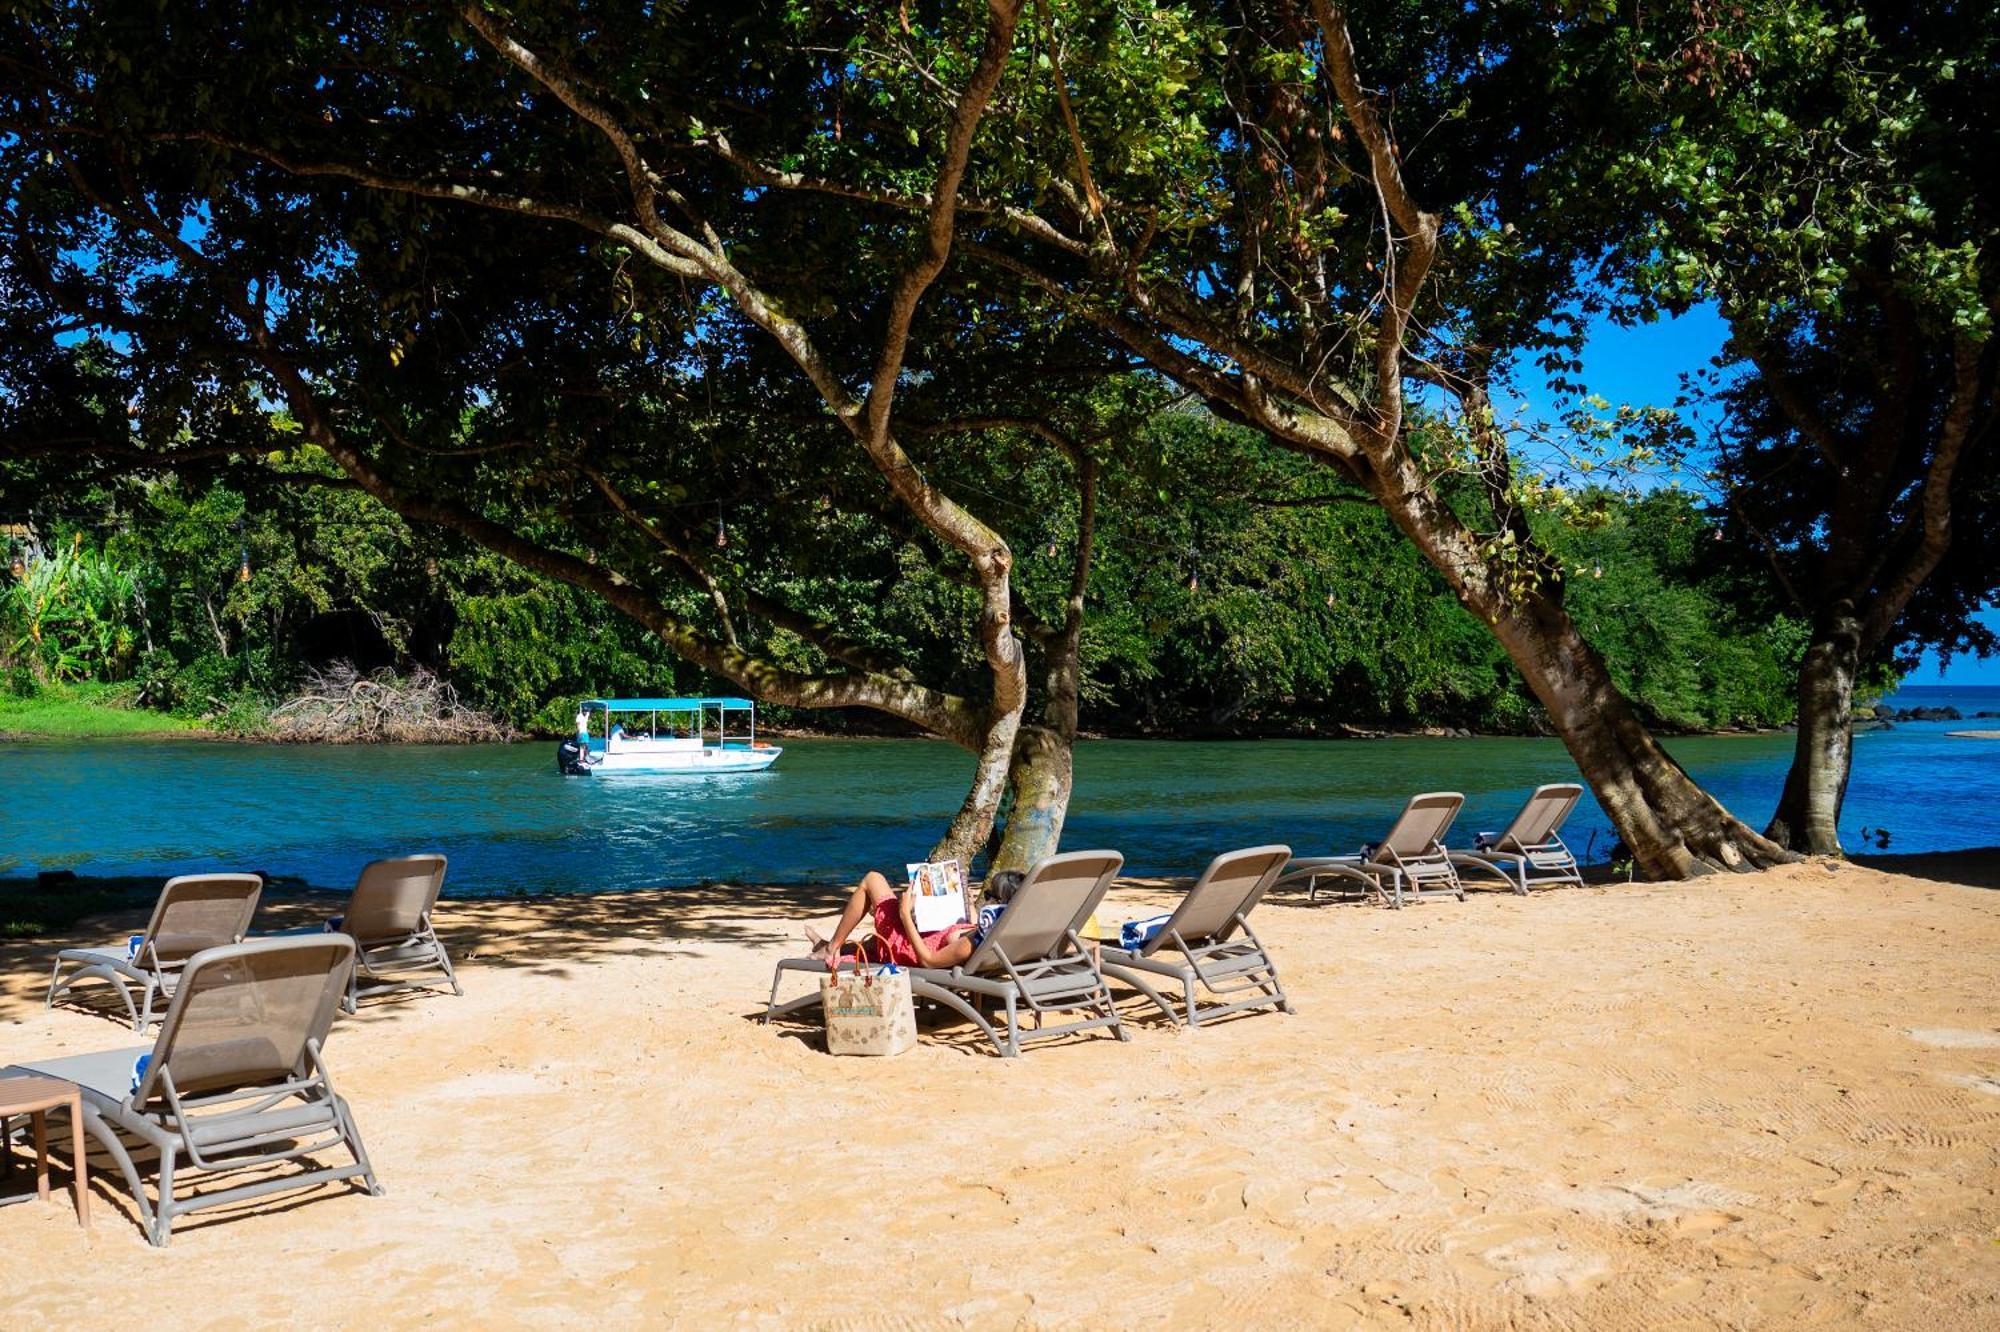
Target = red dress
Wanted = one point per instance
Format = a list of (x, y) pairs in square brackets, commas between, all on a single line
[(894, 945)]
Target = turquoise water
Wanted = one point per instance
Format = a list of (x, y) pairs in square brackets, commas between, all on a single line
[(833, 807)]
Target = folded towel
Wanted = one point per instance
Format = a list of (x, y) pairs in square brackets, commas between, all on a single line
[(987, 915), (1136, 934), (132, 946), (1486, 841), (139, 1071), (333, 926)]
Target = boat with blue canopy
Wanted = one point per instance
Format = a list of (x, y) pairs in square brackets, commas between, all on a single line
[(664, 735)]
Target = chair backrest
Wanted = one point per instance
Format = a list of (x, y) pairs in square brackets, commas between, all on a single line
[(1424, 821), (243, 1014), (1056, 898), (1233, 883), (198, 911), (392, 897), (1543, 816)]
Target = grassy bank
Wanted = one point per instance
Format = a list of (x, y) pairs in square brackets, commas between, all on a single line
[(85, 712)]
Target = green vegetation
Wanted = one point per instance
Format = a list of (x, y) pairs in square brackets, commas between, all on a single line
[(87, 711), (1223, 600), (998, 369)]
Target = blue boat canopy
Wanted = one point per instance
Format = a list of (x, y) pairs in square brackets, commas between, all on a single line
[(663, 704)]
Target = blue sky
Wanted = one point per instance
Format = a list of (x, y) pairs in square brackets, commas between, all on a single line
[(1642, 365)]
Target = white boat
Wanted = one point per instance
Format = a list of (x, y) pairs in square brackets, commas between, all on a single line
[(664, 735)]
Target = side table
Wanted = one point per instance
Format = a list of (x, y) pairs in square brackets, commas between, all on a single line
[(35, 1097)]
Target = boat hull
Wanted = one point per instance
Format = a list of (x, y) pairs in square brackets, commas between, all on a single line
[(684, 762)]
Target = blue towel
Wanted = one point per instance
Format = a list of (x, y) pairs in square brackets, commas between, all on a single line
[(1486, 841), (132, 945), (987, 915), (1136, 934), (139, 1071)]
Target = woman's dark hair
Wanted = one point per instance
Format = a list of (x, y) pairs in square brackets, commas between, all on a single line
[(1001, 885)]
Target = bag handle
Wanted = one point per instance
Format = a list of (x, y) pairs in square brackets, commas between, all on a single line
[(860, 962)]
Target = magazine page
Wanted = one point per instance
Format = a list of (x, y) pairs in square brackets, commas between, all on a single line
[(937, 895)]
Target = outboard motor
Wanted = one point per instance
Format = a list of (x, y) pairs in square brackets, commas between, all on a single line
[(573, 758)]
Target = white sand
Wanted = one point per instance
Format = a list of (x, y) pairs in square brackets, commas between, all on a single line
[(1757, 1101)]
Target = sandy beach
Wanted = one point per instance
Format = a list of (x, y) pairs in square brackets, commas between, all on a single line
[(1770, 1100)]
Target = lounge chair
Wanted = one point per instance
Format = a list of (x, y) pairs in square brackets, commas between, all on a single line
[(1408, 864), (1531, 852), (1032, 957), (1207, 942), (389, 919), (235, 1081), (195, 912)]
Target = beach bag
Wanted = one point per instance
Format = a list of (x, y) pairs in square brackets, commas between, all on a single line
[(868, 1012)]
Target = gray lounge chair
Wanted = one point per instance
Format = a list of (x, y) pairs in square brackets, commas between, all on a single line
[(389, 919), (1207, 942), (1032, 957), (1531, 853), (235, 1081), (195, 912), (1408, 864)]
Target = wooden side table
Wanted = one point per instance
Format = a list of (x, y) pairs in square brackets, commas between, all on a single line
[(35, 1097)]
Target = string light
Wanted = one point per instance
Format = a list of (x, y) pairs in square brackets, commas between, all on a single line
[(1052, 550), (243, 567), (1194, 582), (721, 533)]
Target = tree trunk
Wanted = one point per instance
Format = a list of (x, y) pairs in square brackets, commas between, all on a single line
[(1808, 814), (972, 826), (1039, 782), (1672, 828)]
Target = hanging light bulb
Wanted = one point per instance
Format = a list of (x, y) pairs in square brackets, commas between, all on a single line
[(1194, 582), (1329, 599), (1052, 549), (721, 533), (243, 566)]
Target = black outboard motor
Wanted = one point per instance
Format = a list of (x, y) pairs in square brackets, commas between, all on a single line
[(573, 758)]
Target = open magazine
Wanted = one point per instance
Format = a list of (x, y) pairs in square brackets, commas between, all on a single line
[(937, 895)]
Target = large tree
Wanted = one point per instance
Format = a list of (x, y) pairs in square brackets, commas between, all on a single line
[(1298, 214), (1825, 174), (442, 315)]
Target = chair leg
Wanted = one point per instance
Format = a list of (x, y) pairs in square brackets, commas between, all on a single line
[(40, 1119), (163, 1212)]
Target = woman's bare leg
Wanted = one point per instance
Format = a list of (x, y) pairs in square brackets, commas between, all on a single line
[(860, 904)]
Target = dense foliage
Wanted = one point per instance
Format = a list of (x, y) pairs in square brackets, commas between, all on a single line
[(891, 300), (1223, 599)]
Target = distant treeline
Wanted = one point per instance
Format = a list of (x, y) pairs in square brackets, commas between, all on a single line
[(1211, 612)]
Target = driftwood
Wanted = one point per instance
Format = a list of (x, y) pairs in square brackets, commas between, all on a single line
[(339, 705)]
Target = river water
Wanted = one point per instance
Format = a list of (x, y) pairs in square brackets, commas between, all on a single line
[(831, 808)]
